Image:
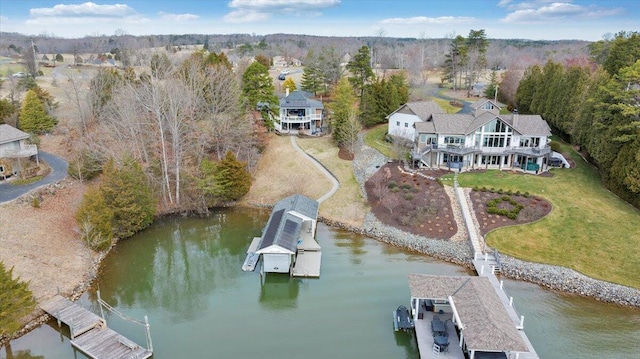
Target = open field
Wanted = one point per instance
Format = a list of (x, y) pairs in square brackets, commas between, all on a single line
[(589, 230)]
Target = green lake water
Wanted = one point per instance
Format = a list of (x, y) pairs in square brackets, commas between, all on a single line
[(184, 274)]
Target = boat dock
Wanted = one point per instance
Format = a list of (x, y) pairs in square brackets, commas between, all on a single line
[(252, 259), (89, 332)]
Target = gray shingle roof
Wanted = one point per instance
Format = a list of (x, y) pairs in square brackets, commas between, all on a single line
[(487, 325), (9, 134), (482, 101), (299, 203), (422, 109), (300, 99), (464, 124)]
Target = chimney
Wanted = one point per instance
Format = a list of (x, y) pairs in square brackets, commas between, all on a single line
[(286, 92), (515, 117)]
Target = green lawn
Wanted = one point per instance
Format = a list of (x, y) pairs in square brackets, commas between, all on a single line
[(589, 230), (375, 138)]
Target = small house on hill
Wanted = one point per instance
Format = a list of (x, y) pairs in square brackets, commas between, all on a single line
[(14, 148), (288, 242), (299, 112)]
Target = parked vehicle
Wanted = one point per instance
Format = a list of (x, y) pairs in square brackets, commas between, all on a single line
[(19, 75), (284, 72), (281, 77)]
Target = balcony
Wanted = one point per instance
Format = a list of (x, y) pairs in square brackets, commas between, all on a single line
[(464, 150), (300, 119), (26, 151)]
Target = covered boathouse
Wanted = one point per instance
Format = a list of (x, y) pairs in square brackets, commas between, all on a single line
[(288, 243), (474, 323)]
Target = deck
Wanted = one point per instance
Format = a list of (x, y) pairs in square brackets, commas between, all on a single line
[(89, 332), (307, 264), (425, 337)]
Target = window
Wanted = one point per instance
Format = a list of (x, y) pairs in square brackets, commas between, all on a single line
[(446, 158), (406, 124), (496, 126), (493, 141), (398, 123), (487, 106), (454, 140), (1, 169)]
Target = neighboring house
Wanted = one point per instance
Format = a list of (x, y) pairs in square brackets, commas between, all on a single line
[(289, 235), (13, 148), (299, 113), (484, 139), (402, 120), (478, 89), (281, 61)]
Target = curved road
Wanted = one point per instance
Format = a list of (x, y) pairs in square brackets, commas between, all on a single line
[(59, 166)]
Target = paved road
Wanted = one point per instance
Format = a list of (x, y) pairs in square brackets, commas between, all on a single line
[(334, 181), (58, 172)]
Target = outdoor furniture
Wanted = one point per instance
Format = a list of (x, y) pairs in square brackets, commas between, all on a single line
[(442, 342), (438, 328)]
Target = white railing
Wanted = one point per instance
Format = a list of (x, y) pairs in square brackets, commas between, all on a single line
[(295, 119), (458, 149), (26, 151)]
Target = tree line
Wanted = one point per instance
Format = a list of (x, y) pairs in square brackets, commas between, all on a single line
[(595, 106)]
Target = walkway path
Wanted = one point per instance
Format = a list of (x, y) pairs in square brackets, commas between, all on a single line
[(329, 175), (59, 166), (475, 237)]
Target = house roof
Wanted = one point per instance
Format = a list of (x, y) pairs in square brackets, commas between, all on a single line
[(422, 109), (10, 134), (300, 204), (300, 99), (486, 323), (484, 100), (285, 223), (465, 124)]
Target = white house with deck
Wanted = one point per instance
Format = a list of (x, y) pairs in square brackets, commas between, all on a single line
[(288, 243), (14, 148), (299, 112), (483, 139)]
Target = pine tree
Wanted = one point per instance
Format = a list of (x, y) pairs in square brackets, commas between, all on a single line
[(360, 69), (343, 105), (33, 117), (257, 86), (94, 218), (127, 194), (227, 180), (311, 79), (16, 301)]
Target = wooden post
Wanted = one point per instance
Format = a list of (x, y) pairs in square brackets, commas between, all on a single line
[(148, 328)]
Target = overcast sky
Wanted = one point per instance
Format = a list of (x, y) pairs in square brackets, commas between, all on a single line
[(501, 19)]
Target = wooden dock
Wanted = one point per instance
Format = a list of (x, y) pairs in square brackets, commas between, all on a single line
[(89, 332)]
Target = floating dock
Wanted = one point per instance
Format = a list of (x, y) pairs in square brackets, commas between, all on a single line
[(89, 332), (252, 259)]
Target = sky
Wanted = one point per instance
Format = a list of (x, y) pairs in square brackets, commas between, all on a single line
[(501, 19)]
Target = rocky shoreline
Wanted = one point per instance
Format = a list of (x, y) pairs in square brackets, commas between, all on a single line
[(366, 163)]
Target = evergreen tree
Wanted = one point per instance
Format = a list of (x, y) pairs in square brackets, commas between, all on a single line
[(311, 79), (344, 104), (360, 69), (33, 117), (382, 98), (491, 91), (623, 51), (7, 110), (16, 301), (95, 218), (261, 58), (220, 59), (227, 180), (128, 196), (257, 86)]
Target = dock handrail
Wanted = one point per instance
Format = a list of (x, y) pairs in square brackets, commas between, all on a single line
[(127, 318)]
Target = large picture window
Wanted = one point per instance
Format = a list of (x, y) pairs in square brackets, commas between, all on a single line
[(494, 140), (454, 140), (497, 126)]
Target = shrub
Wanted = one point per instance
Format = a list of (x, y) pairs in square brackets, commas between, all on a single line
[(408, 196), (475, 188), (483, 189), (526, 194), (405, 186), (555, 146), (392, 184), (492, 207), (500, 191)]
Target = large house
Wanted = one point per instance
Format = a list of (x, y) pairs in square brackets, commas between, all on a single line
[(13, 148), (288, 242), (483, 139), (402, 120), (299, 113)]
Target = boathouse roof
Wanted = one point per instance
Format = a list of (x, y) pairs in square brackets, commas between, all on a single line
[(284, 225), (487, 325), (300, 204)]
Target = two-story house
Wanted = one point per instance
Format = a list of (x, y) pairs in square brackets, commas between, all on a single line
[(402, 120), (483, 139), (299, 113), (13, 147)]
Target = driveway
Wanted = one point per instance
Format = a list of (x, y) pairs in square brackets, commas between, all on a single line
[(59, 166), (466, 109)]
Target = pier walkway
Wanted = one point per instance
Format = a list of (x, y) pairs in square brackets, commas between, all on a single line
[(90, 334)]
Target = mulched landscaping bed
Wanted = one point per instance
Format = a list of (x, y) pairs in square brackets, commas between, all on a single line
[(413, 204), (533, 209)]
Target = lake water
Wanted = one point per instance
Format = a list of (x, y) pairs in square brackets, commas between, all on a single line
[(185, 275)]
